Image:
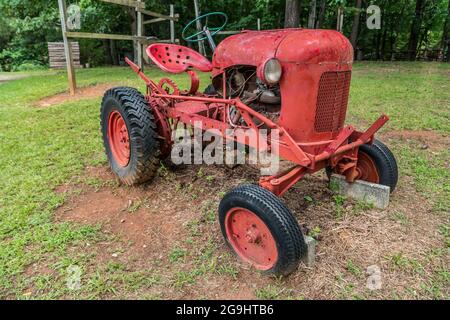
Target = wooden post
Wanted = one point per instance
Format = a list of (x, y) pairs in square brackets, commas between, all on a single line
[(201, 45), (140, 27), (172, 23), (67, 48), (259, 24)]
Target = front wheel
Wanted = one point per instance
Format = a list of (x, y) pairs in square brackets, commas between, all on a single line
[(261, 230), (376, 164)]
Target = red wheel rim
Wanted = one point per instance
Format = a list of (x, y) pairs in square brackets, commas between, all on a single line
[(119, 140), (366, 168), (251, 238)]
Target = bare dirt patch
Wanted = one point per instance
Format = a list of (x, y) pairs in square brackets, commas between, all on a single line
[(147, 222), (425, 139), (81, 93), (177, 211), (135, 215)]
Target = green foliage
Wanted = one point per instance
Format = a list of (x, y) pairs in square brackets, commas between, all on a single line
[(29, 25), (26, 26), (29, 66)]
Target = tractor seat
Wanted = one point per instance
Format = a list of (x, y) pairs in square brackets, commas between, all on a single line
[(174, 58)]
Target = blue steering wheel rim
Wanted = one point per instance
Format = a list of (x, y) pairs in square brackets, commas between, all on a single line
[(214, 31)]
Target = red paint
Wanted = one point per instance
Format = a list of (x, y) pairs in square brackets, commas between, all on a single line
[(366, 169), (173, 58), (250, 238), (314, 85), (281, 183), (169, 86), (314, 89), (305, 55), (250, 48), (119, 140), (195, 82), (288, 45)]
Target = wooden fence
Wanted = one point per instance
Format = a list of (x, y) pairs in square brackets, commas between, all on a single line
[(57, 56)]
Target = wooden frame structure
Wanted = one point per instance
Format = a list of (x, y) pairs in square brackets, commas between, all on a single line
[(139, 39)]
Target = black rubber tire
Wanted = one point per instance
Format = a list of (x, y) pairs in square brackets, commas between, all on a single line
[(278, 218), (384, 160), (140, 122)]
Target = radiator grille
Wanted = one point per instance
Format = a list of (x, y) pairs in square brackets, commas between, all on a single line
[(332, 101)]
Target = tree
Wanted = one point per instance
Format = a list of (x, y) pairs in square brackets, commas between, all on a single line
[(445, 42), (415, 29), (27, 25), (292, 14), (322, 10), (355, 26), (107, 18), (30, 25), (312, 14)]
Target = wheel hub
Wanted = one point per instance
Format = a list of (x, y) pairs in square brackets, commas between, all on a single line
[(251, 239), (119, 139), (252, 235), (366, 169)]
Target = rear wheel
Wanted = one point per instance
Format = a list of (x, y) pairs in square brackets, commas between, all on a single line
[(261, 230), (129, 135)]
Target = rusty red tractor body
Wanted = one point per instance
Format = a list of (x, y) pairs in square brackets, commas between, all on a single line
[(295, 81)]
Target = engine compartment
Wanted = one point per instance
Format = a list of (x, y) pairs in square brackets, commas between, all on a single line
[(242, 82)]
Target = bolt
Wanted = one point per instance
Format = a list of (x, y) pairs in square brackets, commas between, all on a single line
[(275, 182)]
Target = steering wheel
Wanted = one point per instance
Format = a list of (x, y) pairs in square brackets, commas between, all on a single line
[(213, 31)]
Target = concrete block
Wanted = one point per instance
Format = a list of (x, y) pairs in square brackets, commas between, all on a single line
[(310, 258), (375, 194)]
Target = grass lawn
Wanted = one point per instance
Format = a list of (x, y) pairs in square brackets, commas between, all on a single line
[(43, 149)]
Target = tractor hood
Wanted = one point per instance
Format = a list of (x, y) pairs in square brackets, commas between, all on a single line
[(309, 46)]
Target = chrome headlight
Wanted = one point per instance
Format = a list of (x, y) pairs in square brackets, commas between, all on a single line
[(272, 71)]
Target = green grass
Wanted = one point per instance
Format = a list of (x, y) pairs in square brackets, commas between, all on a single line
[(44, 83), (177, 254), (41, 149), (428, 169), (353, 268), (416, 96)]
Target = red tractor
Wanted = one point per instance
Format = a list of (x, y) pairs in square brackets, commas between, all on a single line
[(295, 81)]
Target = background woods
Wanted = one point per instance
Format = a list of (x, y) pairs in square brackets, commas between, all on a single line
[(409, 30)]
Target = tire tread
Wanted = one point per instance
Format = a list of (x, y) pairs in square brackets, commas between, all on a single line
[(143, 133), (385, 161), (282, 218)]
